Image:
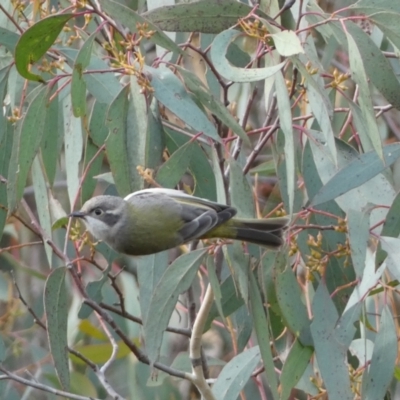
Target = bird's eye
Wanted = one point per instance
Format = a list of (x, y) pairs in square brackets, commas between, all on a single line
[(98, 211)]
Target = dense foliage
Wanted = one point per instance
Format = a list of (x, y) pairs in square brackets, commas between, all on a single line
[(278, 108)]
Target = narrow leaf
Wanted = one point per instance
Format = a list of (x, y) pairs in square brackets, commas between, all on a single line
[(26, 145), (360, 76), (285, 117), (206, 16), (56, 310), (383, 361), (42, 204), (263, 337), (171, 172), (331, 355), (294, 367), (358, 171), (176, 280), (78, 84)]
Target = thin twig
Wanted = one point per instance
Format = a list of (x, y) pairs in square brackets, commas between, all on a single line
[(40, 386)]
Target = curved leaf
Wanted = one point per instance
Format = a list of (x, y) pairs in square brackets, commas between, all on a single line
[(219, 49), (35, 41)]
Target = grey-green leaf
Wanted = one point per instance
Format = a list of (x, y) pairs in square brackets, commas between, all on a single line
[(169, 90), (383, 361), (206, 16), (78, 84), (56, 310), (331, 355), (176, 280), (360, 170), (26, 145), (235, 374), (262, 332), (219, 49)]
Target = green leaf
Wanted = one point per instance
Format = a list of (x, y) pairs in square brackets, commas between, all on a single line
[(239, 265), (199, 165), (360, 170), (171, 172), (294, 367), (73, 147), (35, 41), (150, 270), (169, 90), (372, 6), (358, 227), (2, 350), (290, 302), (331, 355), (285, 118), (8, 39), (97, 135), (52, 138), (104, 87), (196, 86), (94, 291), (380, 373), (231, 301), (361, 78), (377, 67), (6, 145), (263, 337), (212, 276), (26, 144), (78, 84), (241, 191), (42, 204), (130, 19), (372, 275), (235, 374), (320, 105), (287, 43), (206, 16), (56, 310), (116, 144), (175, 280), (219, 49)]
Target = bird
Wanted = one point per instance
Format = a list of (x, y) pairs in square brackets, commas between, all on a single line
[(152, 220)]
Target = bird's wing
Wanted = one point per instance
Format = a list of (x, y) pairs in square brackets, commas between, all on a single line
[(199, 215)]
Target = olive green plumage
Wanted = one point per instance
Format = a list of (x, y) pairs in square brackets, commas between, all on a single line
[(153, 220)]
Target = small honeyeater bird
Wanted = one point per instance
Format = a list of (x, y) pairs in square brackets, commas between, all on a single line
[(153, 220)]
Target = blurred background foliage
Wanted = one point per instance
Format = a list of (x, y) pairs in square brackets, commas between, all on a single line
[(274, 107)]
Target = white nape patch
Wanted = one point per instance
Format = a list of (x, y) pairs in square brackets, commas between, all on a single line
[(99, 229)]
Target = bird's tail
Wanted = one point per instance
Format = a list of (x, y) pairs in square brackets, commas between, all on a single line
[(264, 232)]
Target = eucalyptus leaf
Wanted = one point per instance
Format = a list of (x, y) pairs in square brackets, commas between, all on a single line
[(219, 49), (235, 374), (56, 309), (35, 41), (175, 280)]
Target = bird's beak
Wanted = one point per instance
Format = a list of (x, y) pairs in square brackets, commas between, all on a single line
[(77, 214)]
